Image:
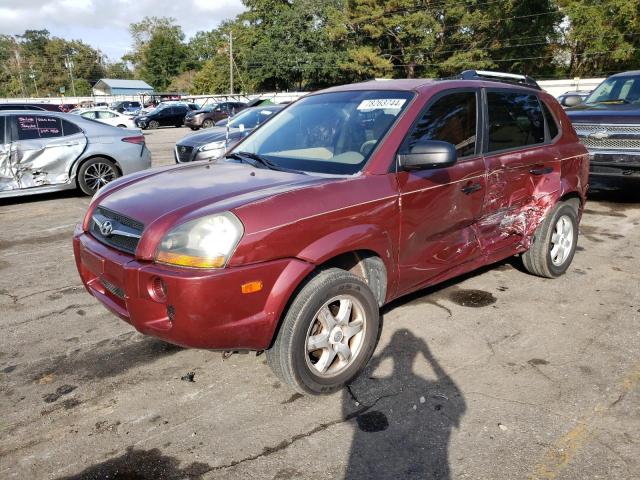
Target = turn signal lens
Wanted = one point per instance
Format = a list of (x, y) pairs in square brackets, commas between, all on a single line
[(189, 261), (251, 287)]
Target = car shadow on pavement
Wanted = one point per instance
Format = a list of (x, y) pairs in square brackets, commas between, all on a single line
[(404, 421)]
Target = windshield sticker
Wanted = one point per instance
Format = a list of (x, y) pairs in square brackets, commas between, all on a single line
[(265, 112), (382, 103)]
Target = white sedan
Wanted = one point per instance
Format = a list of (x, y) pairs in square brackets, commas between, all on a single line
[(110, 117)]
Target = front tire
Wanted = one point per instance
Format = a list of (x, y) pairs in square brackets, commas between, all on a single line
[(95, 174), (554, 243), (328, 334), (153, 124), (207, 123)]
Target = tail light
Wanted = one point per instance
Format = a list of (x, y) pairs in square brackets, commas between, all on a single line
[(138, 139)]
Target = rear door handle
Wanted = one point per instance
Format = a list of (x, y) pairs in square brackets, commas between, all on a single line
[(469, 189), (541, 170)]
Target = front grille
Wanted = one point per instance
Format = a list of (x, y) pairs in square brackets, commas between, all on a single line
[(112, 289), (126, 231), (611, 143), (609, 137), (587, 128), (184, 153)]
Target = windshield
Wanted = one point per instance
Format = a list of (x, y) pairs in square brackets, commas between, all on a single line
[(251, 118), (617, 90), (332, 133)]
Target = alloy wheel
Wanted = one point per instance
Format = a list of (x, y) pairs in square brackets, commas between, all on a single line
[(98, 175), (336, 336), (561, 240)]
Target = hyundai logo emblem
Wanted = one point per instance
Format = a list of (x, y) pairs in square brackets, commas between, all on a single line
[(600, 134), (106, 229)]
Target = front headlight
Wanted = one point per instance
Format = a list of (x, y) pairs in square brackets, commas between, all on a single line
[(212, 146), (207, 242)]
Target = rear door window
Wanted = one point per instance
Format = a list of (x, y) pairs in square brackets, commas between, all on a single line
[(452, 118), (2, 134), (515, 120), (31, 127)]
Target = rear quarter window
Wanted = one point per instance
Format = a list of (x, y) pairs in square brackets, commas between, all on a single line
[(552, 126)]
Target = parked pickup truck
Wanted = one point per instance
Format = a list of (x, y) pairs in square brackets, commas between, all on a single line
[(346, 200), (608, 123)]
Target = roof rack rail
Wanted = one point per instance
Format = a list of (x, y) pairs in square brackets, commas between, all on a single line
[(523, 80)]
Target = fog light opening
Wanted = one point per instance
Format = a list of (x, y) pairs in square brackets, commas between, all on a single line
[(158, 289), (171, 313)]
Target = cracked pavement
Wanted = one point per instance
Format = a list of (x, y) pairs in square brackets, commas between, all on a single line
[(496, 375)]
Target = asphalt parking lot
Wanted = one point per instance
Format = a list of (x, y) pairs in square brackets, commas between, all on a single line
[(496, 375)]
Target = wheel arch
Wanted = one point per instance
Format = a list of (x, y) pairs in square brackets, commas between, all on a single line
[(78, 164), (364, 263)]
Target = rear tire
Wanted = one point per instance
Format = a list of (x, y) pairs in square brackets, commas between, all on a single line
[(328, 334), (195, 128), (554, 243), (122, 126), (95, 174)]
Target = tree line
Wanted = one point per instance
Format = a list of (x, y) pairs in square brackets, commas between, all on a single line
[(306, 44)]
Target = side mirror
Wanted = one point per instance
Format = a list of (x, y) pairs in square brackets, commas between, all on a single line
[(429, 154), (571, 100)]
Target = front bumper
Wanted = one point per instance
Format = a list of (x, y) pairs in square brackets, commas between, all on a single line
[(193, 122), (611, 163), (202, 308)]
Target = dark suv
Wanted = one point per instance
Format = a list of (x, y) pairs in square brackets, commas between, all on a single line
[(608, 123), (210, 114), (346, 200), (164, 115)]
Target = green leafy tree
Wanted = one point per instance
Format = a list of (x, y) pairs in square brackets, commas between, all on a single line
[(601, 36)]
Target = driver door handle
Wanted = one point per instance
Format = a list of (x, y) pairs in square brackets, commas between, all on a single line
[(470, 188)]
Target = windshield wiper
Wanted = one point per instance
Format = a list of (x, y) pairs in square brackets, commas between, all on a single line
[(258, 160), (614, 100)]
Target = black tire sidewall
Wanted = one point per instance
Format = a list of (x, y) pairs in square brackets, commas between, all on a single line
[(83, 168), (153, 124), (303, 374), (568, 211)]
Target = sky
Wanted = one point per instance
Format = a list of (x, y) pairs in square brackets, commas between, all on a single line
[(103, 24)]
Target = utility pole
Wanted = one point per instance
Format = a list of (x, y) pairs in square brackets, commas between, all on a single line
[(19, 65), (32, 76), (231, 61), (69, 64)]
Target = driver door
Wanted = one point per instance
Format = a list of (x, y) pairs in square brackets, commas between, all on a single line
[(439, 207)]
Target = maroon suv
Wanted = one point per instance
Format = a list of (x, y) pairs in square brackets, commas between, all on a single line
[(349, 198)]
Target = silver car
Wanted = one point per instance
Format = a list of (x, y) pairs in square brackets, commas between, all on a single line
[(48, 151)]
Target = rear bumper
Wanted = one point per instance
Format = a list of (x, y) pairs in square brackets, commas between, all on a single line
[(202, 309)]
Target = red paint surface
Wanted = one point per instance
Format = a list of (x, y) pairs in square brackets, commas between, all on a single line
[(421, 224)]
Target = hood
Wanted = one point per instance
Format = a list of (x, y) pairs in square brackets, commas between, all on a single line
[(209, 135), (177, 194), (604, 113), (191, 113)]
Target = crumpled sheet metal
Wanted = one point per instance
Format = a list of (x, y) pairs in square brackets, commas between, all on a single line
[(38, 163)]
